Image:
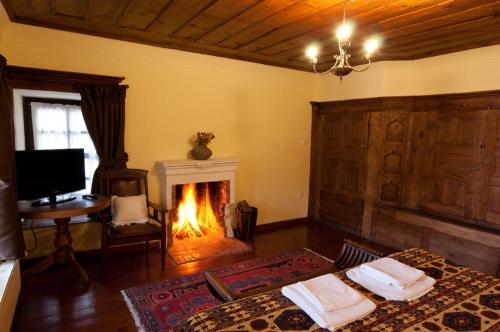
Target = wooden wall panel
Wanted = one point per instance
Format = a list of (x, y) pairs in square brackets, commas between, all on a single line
[(344, 144), (489, 206), (453, 162), (465, 252), (392, 156), (415, 158), (389, 231), (430, 177), (341, 211)]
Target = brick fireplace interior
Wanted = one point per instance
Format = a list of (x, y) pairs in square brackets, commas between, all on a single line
[(198, 210)]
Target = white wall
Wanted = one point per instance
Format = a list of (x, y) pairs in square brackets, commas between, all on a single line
[(467, 71), (260, 114)]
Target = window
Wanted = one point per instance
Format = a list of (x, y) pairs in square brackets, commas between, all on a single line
[(58, 124)]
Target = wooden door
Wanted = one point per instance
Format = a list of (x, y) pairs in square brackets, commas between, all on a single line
[(489, 205), (345, 139), (453, 164)]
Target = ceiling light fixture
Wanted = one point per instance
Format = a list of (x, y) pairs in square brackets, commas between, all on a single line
[(342, 67)]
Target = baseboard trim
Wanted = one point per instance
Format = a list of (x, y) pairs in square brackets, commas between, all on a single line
[(92, 253), (280, 224)]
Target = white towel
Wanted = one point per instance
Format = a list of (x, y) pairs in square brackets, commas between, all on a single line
[(392, 272), (389, 292), (327, 293), (330, 319)]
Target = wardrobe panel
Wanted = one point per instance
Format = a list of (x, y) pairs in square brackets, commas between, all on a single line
[(344, 164), (452, 164), (489, 206)]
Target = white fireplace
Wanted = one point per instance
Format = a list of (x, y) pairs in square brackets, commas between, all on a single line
[(179, 172)]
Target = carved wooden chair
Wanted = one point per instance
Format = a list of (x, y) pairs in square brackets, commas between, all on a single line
[(355, 253), (132, 182)]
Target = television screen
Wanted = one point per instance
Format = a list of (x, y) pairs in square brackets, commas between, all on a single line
[(42, 173)]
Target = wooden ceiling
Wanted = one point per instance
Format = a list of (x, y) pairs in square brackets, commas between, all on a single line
[(274, 32)]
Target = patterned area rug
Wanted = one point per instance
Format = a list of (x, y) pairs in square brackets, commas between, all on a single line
[(160, 306), (275, 270), (196, 249)]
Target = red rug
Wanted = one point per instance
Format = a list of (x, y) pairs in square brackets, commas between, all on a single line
[(160, 306), (264, 272)]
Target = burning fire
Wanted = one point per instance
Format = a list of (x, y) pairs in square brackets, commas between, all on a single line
[(194, 218)]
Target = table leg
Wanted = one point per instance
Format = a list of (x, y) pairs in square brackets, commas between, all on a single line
[(64, 253), (71, 259), (41, 266), (63, 239)]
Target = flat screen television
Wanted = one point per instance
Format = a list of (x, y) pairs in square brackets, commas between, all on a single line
[(48, 173)]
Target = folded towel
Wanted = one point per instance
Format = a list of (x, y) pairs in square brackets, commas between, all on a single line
[(392, 272), (327, 293), (390, 292), (330, 319)]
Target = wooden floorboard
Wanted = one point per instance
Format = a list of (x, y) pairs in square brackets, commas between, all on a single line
[(54, 301)]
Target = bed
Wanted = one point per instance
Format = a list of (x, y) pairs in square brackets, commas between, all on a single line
[(463, 299)]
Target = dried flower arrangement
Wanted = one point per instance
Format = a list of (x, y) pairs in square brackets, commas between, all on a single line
[(204, 138)]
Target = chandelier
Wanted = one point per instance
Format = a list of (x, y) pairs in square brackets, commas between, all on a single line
[(341, 66)]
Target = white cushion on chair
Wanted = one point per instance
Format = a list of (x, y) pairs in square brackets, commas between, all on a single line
[(129, 210)]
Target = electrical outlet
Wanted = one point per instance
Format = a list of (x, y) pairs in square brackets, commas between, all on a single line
[(300, 194)]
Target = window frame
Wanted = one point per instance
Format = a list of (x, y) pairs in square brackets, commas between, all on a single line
[(29, 140)]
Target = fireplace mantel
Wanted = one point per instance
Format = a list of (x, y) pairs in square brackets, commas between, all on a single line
[(174, 172)]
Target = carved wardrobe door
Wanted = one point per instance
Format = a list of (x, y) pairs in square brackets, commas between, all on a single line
[(344, 166), (489, 206), (453, 164)]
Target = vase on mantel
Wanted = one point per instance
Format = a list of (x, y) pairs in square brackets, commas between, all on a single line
[(201, 152)]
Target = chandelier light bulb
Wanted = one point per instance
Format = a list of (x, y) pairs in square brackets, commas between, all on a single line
[(344, 32), (371, 46), (312, 52)]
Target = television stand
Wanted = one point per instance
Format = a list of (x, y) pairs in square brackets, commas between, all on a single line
[(52, 201), (62, 215)]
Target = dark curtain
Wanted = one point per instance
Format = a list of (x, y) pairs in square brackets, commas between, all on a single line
[(103, 109), (11, 240)]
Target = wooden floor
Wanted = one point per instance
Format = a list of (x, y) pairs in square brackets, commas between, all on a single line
[(54, 301)]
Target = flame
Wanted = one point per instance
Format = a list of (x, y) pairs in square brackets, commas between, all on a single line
[(194, 219)]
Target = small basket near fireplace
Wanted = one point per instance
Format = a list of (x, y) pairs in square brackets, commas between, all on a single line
[(246, 221)]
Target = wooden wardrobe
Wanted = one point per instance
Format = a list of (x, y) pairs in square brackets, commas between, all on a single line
[(412, 172)]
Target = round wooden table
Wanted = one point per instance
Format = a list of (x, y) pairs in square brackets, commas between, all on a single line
[(62, 213)]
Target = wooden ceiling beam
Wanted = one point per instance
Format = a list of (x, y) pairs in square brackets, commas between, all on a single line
[(325, 32), (274, 32), (327, 20), (252, 16), (395, 31), (284, 17), (410, 43), (177, 15), (220, 13), (137, 36), (139, 13)]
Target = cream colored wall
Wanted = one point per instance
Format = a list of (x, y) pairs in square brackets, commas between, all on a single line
[(4, 22), (258, 113), (467, 71)]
